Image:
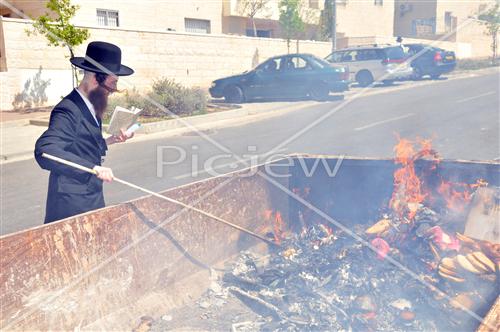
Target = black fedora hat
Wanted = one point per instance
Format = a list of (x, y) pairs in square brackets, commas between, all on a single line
[(102, 57)]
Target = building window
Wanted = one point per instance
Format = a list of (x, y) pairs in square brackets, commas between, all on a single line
[(197, 26), (260, 33), (378, 2), (448, 22), (106, 17), (423, 27)]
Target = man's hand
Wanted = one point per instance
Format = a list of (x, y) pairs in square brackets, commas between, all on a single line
[(119, 138), (104, 173)]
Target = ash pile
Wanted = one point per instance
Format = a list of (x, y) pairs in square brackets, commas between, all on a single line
[(428, 261), (404, 272), (324, 280)]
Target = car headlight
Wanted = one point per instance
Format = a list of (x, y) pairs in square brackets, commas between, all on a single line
[(213, 85)]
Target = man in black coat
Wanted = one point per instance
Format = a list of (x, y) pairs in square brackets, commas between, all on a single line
[(75, 134)]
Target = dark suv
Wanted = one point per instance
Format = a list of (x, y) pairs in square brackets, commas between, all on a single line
[(429, 60)]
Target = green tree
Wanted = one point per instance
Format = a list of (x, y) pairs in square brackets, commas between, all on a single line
[(290, 19), (56, 26), (251, 8), (325, 21), (491, 19)]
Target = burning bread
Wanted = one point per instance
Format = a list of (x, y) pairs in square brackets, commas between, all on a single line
[(466, 264), (447, 271), (465, 239), (450, 277), (477, 264), (483, 260), (448, 263), (379, 228)]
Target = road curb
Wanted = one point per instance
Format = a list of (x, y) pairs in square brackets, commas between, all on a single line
[(179, 123), (172, 127)]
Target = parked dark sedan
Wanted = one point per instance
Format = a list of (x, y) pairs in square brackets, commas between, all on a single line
[(430, 60), (286, 76)]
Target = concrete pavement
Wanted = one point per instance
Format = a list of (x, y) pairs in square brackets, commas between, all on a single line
[(18, 137)]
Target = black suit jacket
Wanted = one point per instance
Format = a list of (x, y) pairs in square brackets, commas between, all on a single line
[(74, 135)]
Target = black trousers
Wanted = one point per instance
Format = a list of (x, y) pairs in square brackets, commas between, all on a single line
[(63, 205)]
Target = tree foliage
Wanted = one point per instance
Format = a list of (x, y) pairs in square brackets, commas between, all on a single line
[(325, 21), (56, 26), (290, 19), (251, 8), (491, 19)]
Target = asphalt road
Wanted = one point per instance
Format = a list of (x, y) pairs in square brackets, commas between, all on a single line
[(461, 116)]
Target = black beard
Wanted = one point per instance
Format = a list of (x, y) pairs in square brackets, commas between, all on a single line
[(99, 98)]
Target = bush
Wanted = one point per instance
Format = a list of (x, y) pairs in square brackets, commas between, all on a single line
[(474, 64), (127, 100), (174, 97)]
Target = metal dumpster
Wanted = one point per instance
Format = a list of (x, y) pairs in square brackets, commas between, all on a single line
[(107, 268)]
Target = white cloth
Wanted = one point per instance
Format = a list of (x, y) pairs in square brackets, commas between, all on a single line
[(89, 105)]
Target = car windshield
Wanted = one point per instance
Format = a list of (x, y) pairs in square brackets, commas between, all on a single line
[(270, 65), (319, 62), (396, 52)]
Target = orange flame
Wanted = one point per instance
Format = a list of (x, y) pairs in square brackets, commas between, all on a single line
[(457, 195), (274, 221), (407, 194), (408, 190), (279, 226), (267, 214), (326, 229)]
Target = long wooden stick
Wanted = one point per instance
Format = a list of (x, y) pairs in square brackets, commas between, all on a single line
[(171, 200)]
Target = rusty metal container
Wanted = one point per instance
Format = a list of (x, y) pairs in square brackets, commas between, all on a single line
[(107, 268)]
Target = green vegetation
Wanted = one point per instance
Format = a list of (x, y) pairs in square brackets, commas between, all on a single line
[(474, 64), (56, 27), (290, 19), (165, 95), (491, 19)]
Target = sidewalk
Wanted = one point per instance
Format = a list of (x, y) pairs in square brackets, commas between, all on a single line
[(19, 132), (18, 136)]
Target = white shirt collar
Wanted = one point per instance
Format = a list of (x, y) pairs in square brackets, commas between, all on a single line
[(89, 105)]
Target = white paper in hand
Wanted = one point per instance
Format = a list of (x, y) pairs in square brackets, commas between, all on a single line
[(122, 118)]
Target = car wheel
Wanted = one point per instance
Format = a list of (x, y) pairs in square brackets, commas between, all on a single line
[(319, 92), (435, 76), (364, 78), (233, 94), (417, 73)]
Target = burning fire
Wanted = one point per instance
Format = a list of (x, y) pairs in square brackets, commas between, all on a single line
[(407, 194), (408, 191), (457, 195), (278, 225)]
